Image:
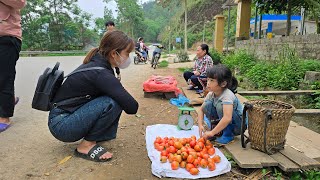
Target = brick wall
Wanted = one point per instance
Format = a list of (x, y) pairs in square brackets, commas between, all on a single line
[(306, 46)]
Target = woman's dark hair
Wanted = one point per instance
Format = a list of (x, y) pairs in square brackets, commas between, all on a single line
[(115, 40), (222, 73), (109, 23), (206, 48)]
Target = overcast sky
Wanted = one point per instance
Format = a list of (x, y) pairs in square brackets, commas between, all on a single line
[(96, 7)]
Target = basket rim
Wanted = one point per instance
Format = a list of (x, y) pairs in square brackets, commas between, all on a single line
[(253, 102)]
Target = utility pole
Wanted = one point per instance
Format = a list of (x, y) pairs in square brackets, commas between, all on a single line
[(255, 22), (185, 26)]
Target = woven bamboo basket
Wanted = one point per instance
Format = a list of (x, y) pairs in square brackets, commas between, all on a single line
[(268, 123)]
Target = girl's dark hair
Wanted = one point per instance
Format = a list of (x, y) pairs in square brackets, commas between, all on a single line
[(222, 73), (206, 48), (115, 40)]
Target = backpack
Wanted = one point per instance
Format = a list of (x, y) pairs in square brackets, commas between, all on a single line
[(48, 84), (137, 46)]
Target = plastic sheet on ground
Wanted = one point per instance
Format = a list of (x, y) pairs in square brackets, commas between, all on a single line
[(161, 84), (164, 169)]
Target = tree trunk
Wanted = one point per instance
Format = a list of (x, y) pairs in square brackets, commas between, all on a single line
[(185, 26), (316, 18), (289, 18)]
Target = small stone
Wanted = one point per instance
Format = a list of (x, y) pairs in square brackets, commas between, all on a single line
[(138, 115), (121, 145), (47, 174)]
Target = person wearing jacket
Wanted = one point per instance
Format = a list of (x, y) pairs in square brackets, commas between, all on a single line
[(95, 117), (10, 46)]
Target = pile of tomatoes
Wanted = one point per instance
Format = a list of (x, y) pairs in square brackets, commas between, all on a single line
[(189, 153)]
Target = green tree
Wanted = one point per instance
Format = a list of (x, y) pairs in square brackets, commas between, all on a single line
[(55, 25)]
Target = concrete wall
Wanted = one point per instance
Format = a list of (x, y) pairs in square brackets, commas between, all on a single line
[(306, 46)]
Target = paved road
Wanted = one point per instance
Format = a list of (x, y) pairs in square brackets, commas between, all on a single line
[(28, 146)]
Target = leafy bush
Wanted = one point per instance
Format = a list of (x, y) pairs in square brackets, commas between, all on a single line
[(163, 63), (183, 56), (241, 60), (260, 74), (216, 57)]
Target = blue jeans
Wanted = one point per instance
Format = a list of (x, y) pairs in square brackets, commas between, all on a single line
[(96, 120), (211, 113)]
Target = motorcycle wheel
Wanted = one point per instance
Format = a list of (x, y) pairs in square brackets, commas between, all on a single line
[(136, 60)]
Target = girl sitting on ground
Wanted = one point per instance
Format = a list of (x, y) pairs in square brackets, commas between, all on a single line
[(220, 106)]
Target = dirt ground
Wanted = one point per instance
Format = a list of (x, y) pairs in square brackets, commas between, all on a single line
[(29, 151)]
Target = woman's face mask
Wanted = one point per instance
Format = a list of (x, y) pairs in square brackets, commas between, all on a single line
[(124, 63)]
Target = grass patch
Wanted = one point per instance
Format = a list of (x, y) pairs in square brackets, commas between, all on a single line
[(163, 63), (184, 69)]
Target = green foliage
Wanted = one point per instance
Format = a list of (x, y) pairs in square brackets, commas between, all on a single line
[(284, 73), (259, 75), (163, 63), (184, 69), (55, 25), (308, 174), (312, 174), (241, 61), (216, 57), (183, 56)]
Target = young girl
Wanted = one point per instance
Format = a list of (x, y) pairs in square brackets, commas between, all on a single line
[(221, 105)]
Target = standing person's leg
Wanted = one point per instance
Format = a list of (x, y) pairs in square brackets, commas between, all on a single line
[(95, 121), (9, 52)]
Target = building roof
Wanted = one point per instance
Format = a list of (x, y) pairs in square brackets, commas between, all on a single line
[(275, 17)]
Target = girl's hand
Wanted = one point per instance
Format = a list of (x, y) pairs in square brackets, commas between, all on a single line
[(201, 131), (208, 134)]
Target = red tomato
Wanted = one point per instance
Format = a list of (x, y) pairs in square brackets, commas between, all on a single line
[(163, 159), (184, 155), (196, 163), (177, 145), (197, 148), (211, 151), (174, 165), (177, 158), (201, 140), (211, 166), (172, 149), (189, 166), (183, 164), (203, 163), (192, 143), (216, 158), (164, 153), (190, 159), (194, 171)]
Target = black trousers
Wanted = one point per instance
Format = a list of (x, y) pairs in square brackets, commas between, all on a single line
[(194, 79), (9, 54)]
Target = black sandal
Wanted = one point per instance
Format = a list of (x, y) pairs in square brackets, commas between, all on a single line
[(94, 154)]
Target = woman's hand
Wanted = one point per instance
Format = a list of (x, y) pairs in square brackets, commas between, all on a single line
[(208, 134), (201, 130), (196, 73)]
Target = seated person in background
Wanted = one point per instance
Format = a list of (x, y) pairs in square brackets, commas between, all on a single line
[(203, 62), (222, 108)]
